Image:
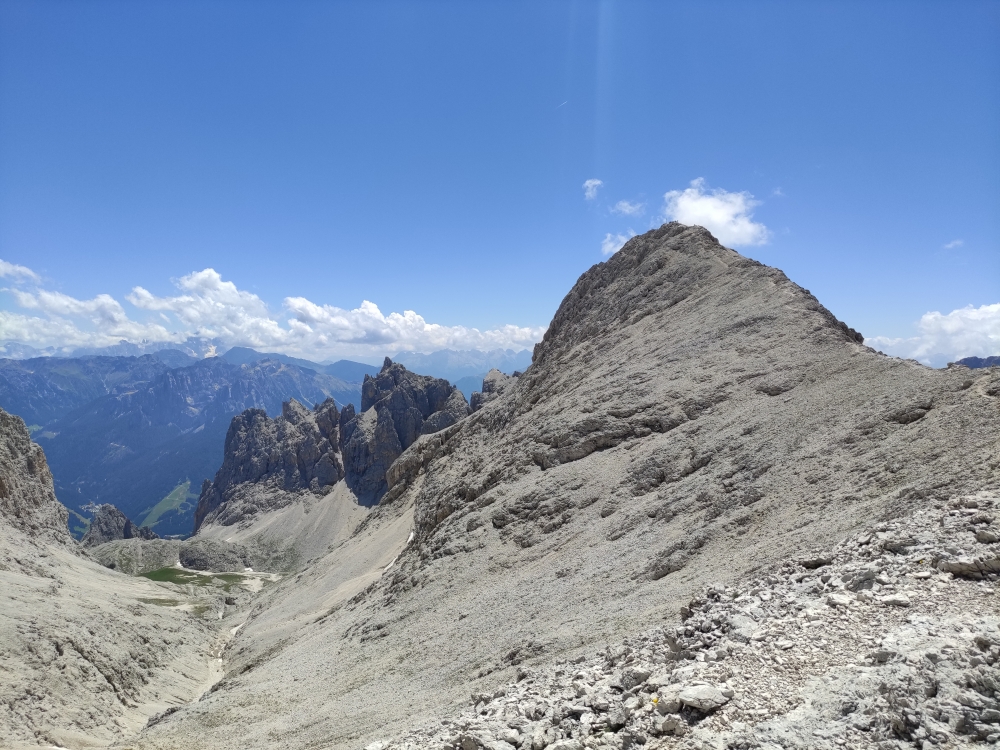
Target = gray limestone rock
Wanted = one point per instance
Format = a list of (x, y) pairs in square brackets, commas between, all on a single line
[(705, 698), (110, 524), (397, 407), (27, 500), (270, 462), (494, 384)]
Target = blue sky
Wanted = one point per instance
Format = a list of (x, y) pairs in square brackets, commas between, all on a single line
[(431, 157)]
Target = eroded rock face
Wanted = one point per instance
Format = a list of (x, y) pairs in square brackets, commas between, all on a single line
[(27, 499), (397, 407), (493, 385), (109, 524), (270, 462)]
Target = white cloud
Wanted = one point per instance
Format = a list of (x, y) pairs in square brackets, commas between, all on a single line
[(103, 315), (590, 189), (209, 307), (14, 271), (968, 332), (612, 243), (726, 215), (953, 244), (628, 209)]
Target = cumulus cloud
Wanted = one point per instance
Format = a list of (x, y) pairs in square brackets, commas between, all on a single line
[(590, 189), (628, 209), (953, 244), (612, 243), (16, 272), (729, 216), (103, 314), (209, 307), (967, 332)]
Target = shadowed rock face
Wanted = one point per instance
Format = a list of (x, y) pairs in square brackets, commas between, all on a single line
[(397, 407), (270, 462), (27, 500), (109, 524)]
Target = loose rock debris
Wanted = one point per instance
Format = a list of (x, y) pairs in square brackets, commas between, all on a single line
[(889, 641)]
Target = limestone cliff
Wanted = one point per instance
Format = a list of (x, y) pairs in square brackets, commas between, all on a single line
[(109, 524), (268, 463), (397, 407), (27, 499)]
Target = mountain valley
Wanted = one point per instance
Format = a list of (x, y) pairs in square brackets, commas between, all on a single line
[(143, 435)]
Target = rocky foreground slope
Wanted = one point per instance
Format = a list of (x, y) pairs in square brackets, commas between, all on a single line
[(87, 655), (891, 639), (691, 418)]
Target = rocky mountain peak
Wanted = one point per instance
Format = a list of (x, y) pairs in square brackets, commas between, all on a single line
[(397, 406), (682, 267), (494, 384), (268, 463), (109, 524), (27, 498)]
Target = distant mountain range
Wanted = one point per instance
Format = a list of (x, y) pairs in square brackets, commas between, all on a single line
[(141, 427), (343, 369), (43, 389), (142, 432), (978, 362)]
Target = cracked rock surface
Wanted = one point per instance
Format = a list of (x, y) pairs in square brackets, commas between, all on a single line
[(883, 645), (270, 463)]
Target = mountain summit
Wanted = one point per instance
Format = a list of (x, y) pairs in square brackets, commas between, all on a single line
[(691, 417)]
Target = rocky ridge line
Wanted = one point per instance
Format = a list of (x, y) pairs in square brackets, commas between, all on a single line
[(109, 524), (892, 640), (397, 407), (268, 463)]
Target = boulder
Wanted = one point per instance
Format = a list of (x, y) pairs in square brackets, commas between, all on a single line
[(705, 698)]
